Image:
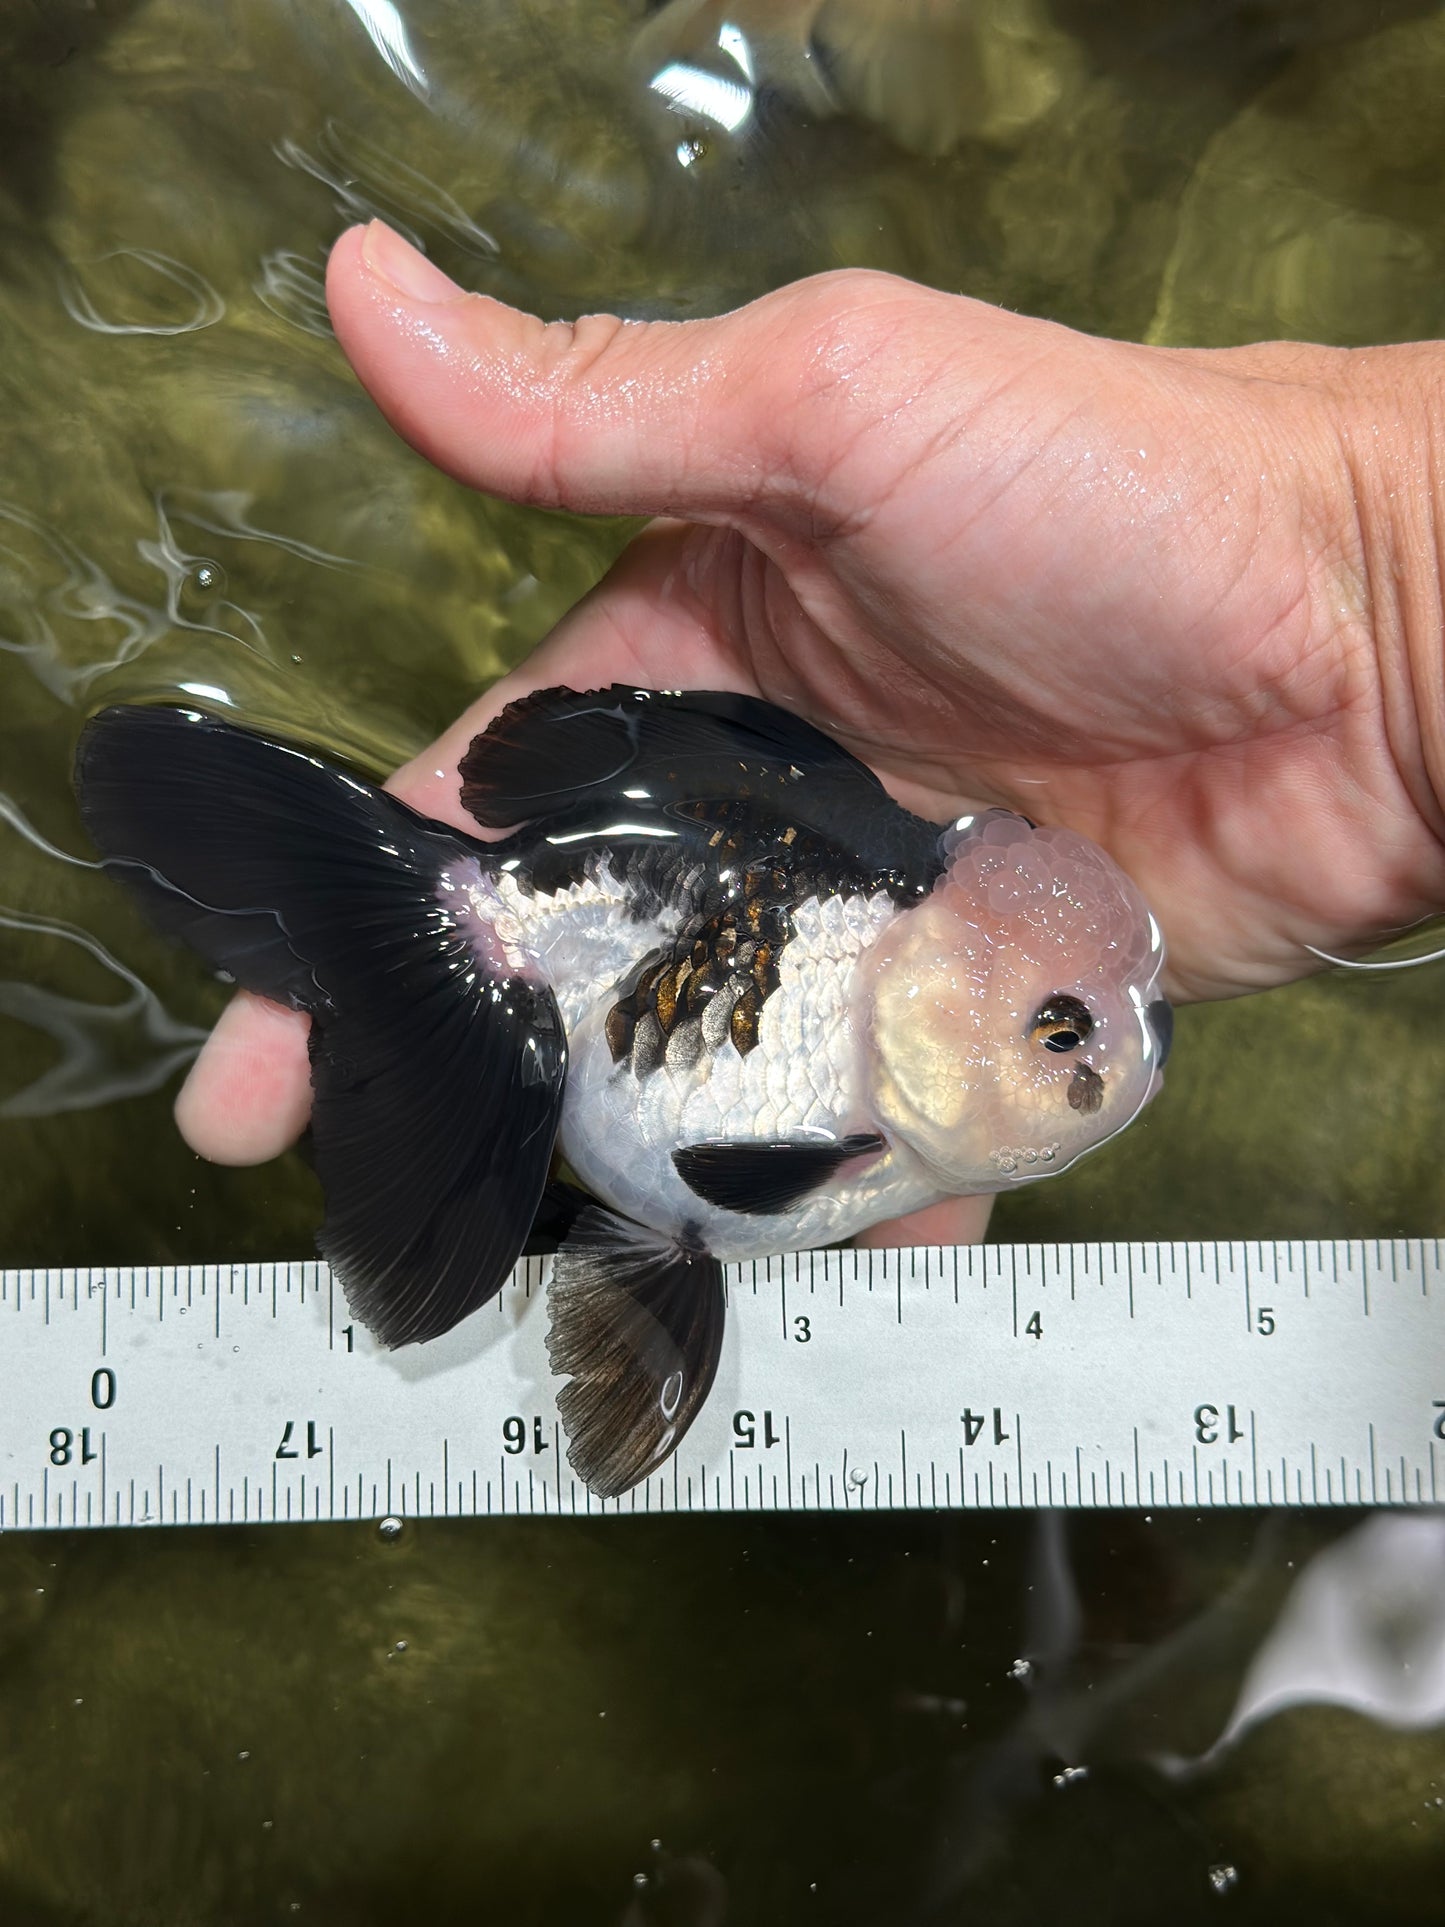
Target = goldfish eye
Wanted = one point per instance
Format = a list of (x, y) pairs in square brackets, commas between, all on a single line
[(1062, 1024)]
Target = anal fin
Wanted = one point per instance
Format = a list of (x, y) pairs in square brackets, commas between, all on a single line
[(637, 1327), (761, 1176)]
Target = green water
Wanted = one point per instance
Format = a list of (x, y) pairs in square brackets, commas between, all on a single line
[(816, 1719)]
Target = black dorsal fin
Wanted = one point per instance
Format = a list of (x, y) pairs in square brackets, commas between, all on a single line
[(636, 1326), (761, 1176), (437, 1082), (575, 761)]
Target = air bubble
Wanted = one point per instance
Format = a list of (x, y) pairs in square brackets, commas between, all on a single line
[(857, 1476), (1071, 1776), (1022, 1669), (389, 1528), (1223, 1877)]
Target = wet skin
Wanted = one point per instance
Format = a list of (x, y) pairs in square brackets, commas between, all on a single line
[(1184, 601)]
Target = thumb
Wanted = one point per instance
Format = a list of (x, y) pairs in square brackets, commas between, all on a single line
[(709, 419)]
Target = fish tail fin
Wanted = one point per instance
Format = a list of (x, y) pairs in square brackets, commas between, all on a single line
[(436, 1072), (636, 1325)]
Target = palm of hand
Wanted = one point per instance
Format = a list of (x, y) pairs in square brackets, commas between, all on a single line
[(1105, 585)]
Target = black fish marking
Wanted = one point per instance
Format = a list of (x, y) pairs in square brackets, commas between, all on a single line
[(636, 1325), (624, 762), (761, 1177), (1160, 1016), (560, 1207), (1086, 1090), (437, 1086), (732, 951)]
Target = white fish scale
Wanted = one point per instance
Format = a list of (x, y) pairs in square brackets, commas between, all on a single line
[(581, 939), (805, 1074)]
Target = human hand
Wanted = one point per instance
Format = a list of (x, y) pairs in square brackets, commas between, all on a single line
[(1186, 602)]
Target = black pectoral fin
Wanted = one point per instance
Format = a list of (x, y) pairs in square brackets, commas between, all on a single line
[(761, 1177), (637, 1328)]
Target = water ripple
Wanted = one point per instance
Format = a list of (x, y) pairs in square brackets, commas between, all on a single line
[(66, 583), (293, 287), (108, 1051), (387, 32), (208, 306), (368, 183)]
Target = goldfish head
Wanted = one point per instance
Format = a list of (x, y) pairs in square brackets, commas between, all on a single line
[(1014, 1016)]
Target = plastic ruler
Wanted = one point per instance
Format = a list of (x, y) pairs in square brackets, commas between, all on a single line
[(1141, 1375)]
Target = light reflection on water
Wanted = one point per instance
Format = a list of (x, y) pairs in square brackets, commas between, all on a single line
[(813, 1720)]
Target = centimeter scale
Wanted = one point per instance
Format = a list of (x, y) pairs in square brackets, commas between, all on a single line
[(990, 1375)]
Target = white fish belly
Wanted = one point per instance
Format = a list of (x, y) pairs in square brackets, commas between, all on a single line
[(807, 1077)]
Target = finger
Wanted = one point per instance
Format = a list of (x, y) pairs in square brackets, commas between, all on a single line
[(955, 1221), (709, 419), (248, 1094)]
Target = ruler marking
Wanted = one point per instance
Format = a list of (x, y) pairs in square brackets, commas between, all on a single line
[(1014, 1287), (139, 1479)]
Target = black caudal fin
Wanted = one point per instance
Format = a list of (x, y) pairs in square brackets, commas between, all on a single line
[(763, 1175), (583, 758), (437, 1080), (637, 1327)]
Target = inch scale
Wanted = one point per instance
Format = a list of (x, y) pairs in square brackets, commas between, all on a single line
[(1139, 1375)]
